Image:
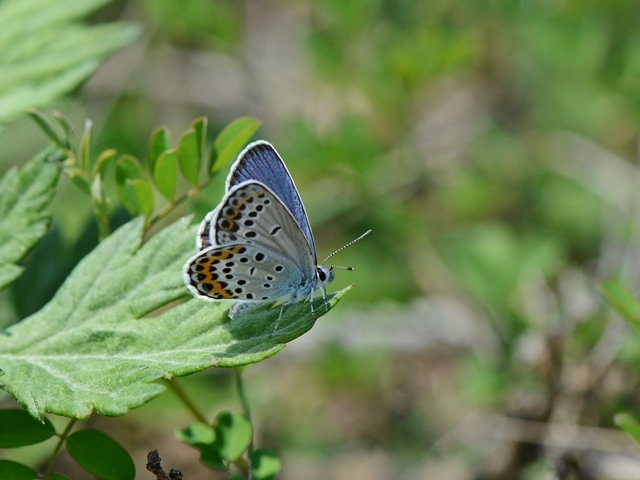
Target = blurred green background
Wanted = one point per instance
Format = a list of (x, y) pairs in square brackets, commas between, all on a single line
[(492, 148)]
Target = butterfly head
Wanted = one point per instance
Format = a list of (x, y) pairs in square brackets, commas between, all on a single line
[(324, 274)]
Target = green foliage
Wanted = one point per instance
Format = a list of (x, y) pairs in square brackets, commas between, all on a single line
[(629, 424), (233, 138), (623, 301), (232, 435), (16, 471), (202, 437), (227, 444), (190, 149), (25, 196), (19, 429), (45, 52), (266, 464), (100, 455)]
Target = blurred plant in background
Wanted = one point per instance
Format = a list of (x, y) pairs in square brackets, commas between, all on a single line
[(491, 147)]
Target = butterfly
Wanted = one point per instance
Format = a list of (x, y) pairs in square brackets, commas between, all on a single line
[(257, 246)]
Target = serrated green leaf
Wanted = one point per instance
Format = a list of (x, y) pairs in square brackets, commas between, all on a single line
[(94, 346), (134, 191), (230, 141), (16, 471), (159, 142), (18, 429), (24, 219), (265, 463), (45, 52), (629, 424), (232, 435), (623, 301), (190, 156), (101, 455), (165, 173)]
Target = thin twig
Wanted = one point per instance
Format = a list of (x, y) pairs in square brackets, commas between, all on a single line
[(169, 207), (186, 400), (237, 373), (55, 452)]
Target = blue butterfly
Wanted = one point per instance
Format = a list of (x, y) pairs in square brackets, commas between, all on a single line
[(257, 245)]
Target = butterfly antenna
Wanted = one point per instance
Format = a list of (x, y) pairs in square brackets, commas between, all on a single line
[(342, 248)]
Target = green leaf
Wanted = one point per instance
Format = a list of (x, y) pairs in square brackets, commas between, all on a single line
[(96, 346), (24, 198), (66, 126), (202, 437), (48, 129), (165, 174), (231, 140), (623, 301), (211, 458), (85, 146), (196, 435), (101, 455), (233, 435), (78, 178), (191, 148), (134, 191), (46, 53), (629, 424), (190, 156), (265, 463), (200, 126), (102, 163), (159, 143), (16, 471), (20, 429), (143, 197)]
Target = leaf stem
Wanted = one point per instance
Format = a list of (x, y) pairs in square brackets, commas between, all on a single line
[(55, 452), (237, 373), (174, 384), (168, 208)]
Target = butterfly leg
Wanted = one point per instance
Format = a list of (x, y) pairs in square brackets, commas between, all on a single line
[(311, 305), (324, 297), (275, 328)]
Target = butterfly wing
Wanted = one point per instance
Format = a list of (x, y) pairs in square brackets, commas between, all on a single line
[(259, 161), (241, 272), (251, 214)]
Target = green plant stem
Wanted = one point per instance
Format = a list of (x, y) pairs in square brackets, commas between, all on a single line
[(237, 373), (55, 452), (168, 208), (184, 397)]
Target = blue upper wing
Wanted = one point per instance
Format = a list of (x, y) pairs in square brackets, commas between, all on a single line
[(260, 161)]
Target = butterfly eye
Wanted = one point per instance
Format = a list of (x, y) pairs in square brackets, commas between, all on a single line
[(321, 275)]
